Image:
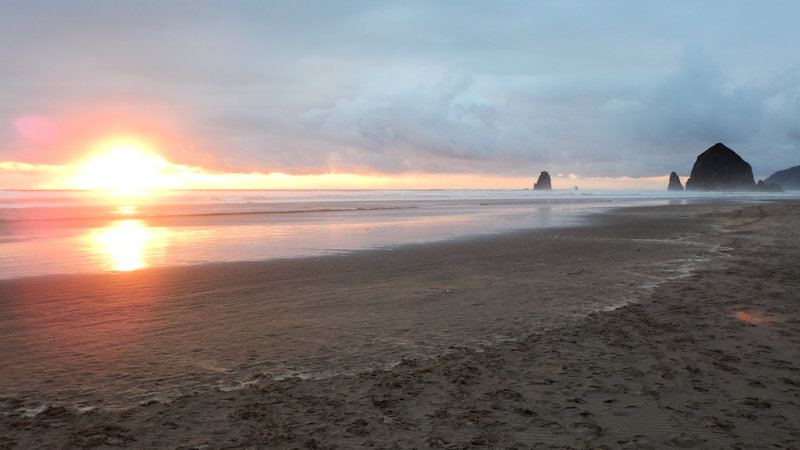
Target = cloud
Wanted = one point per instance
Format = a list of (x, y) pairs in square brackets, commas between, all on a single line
[(439, 119), (698, 104), (449, 87)]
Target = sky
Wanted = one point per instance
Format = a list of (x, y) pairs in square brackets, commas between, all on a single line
[(397, 94)]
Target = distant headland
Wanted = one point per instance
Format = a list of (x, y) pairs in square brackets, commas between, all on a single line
[(788, 179)]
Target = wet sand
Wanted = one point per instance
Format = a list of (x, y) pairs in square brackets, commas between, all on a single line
[(488, 342)]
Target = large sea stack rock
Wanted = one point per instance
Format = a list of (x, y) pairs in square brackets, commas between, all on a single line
[(543, 184), (788, 179), (674, 182), (720, 169)]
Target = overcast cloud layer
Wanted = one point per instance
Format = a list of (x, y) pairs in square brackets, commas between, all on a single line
[(499, 88)]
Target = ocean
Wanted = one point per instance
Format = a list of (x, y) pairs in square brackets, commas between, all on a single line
[(69, 232), (109, 300)]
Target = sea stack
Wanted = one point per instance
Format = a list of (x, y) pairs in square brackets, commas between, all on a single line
[(543, 184), (674, 183), (720, 169)]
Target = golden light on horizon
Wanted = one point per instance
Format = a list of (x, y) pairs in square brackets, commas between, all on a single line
[(126, 166)]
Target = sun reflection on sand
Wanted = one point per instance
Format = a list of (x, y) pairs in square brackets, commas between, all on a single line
[(750, 317), (124, 245)]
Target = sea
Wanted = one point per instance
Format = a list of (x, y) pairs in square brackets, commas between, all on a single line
[(76, 335), (47, 232)]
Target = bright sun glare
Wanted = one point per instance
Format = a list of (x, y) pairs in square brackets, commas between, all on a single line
[(125, 167)]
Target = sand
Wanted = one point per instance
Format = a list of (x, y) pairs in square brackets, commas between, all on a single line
[(694, 342)]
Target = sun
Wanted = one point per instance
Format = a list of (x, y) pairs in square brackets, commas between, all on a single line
[(124, 167)]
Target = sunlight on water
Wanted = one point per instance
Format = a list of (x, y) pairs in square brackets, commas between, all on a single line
[(123, 245), (68, 232)]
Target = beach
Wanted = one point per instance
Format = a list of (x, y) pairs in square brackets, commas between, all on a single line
[(669, 326)]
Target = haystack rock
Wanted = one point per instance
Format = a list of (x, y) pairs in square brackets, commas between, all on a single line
[(720, 169), (788, 179), (674, 182), (543, 184)]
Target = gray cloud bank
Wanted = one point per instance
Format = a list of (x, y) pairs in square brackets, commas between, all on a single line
[(510, 88)]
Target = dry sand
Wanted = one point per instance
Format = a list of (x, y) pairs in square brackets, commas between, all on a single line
[(707, 354)]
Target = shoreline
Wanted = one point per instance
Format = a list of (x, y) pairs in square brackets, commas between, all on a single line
[(135, 238), (576, 385), (585, 220)]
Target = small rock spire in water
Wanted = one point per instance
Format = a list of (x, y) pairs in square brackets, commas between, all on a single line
[(543, 183), (674, 183)]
